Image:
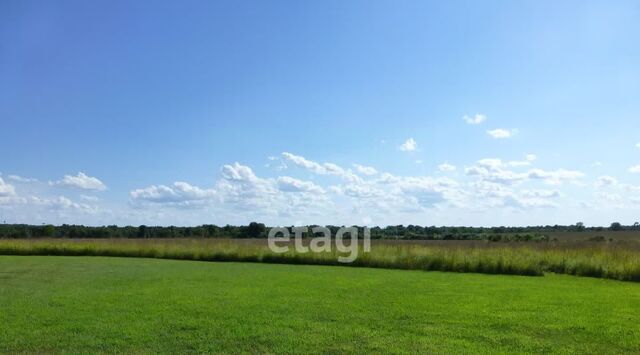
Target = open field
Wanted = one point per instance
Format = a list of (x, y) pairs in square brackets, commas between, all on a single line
[(80, 304), (615, 260)]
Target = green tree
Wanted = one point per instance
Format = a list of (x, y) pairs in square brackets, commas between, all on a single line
[(615, 226), (255, 230)]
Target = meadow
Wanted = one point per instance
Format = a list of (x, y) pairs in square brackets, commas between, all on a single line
[(601, 257), (132, 305)]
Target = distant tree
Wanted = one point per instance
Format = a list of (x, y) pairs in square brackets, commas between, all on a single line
[(142, 231), (255, 230), (615, 226), (579, 226), (48, 231)]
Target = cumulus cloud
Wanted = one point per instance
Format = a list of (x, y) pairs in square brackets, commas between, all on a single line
[(61, 203), (428, 191), (361, 191), (495, 195), (555, 177), (409, 145), (321, 169), (82, 181), (635, 169), (238, 191), (476, 119), (365, 170), (446, 167), (241, 187), (495, 170), (178, 193), (501, 133), (289, 184)]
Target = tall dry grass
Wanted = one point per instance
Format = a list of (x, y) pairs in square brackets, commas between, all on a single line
[(614, 260)]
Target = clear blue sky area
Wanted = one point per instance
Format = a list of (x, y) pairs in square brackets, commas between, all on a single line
[(327, 112)]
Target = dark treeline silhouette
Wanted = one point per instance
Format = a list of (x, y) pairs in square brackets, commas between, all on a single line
[(259, 230)]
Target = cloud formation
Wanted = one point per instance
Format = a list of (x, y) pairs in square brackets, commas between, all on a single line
[(6, 190), (500, 133), (82, 181), (365, 170), (446, 167), (476, 119), (332, 194), (409, 145), (178, 192)]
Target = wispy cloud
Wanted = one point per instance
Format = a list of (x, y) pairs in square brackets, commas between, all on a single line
[(635, 169), (476, 119), (446, 167), (606, 181), (501, 133), (22, 179)]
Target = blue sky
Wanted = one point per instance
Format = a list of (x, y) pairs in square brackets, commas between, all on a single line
[(330, 112)]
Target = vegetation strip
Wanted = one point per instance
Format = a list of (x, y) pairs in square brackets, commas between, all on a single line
[(595, 259)]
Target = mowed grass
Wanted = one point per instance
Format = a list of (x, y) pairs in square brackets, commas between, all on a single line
[(57, 304)]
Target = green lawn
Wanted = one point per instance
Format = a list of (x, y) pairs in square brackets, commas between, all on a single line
[(101, 304)]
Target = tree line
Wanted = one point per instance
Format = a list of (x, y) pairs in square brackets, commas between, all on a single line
[(259, 230)]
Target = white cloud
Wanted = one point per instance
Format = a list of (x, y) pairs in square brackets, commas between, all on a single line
[(477, 119), (555, 177), (61, 203), (501, 133), (307, 164), (289, 184), (365, 170), (179, 192), (638, 145), (490, 185), (6, 190), (495, 170), (635, 169), (361, 191), (321, 169), (446, 167), (409, 145), (82, 181), (240, 187), (238, 172), (496, 195)]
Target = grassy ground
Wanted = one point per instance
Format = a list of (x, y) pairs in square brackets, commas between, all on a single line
[(615, 260), (97, 304)]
